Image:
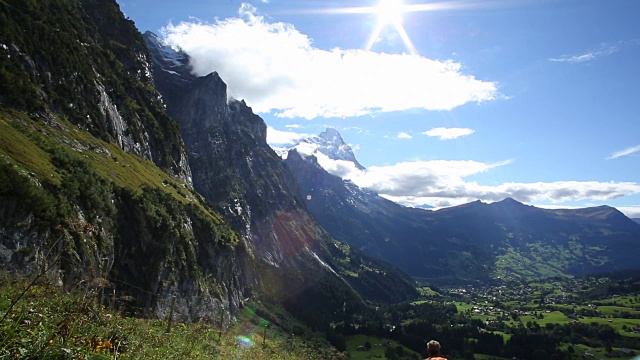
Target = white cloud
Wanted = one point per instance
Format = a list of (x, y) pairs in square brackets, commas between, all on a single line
[(556, 192), (625, 152), (292, 126), (276, 137), (449, 133), (604, 50), (631, 211), (404, 135), (442, 183), (275, 68)]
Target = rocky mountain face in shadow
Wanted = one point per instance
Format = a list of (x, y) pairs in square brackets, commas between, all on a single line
[(94, 177), (472, 242), (242, 177)]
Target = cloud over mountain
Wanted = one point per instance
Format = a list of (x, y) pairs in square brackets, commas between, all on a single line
[(442, 183), (276, 68)]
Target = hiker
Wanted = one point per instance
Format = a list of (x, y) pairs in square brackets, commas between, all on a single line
[(433, 349)]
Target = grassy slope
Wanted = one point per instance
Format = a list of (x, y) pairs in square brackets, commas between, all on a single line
[(21, 139), (49, 324)]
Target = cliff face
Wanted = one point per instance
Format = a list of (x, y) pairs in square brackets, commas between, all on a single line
[(95, 185), (235, 169), (90, 64)]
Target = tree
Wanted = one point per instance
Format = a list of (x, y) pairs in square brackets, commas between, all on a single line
[(390, 353)]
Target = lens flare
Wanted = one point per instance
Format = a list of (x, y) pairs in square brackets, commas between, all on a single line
[(390, 12), (245, 341)]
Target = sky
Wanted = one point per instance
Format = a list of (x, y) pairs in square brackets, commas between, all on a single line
[(444, 102)]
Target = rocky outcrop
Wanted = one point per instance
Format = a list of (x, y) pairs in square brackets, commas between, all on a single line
[(235, 169)]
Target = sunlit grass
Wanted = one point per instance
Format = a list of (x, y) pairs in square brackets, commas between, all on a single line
[(22, 142), (17, 148), (50, 324)]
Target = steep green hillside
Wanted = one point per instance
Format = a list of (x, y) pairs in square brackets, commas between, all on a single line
[(91, 201), (82, 59)]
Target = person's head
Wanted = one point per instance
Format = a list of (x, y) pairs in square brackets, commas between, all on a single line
[(433, 348)]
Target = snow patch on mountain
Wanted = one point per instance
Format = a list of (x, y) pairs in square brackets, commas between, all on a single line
[(330, 144)]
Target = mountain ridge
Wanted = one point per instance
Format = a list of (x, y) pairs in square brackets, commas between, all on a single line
[(473, 241)]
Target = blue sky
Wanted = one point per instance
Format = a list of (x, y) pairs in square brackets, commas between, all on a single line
[(443, 102)]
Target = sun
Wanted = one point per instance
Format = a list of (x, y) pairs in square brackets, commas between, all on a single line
[(389, 12)]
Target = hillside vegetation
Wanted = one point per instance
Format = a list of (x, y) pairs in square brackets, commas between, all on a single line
[(47, 323)]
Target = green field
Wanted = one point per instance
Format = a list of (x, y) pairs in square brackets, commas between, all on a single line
[(377, 348)]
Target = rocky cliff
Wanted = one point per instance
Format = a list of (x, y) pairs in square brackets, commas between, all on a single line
[(235, 169), (91, 65), (95, 185)]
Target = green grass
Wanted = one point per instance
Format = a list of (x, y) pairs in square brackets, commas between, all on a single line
[(23, 139), (554, 317), (616, 323), (377, 349), (50, 324), (17, 148), (428, 292), (616, 310)]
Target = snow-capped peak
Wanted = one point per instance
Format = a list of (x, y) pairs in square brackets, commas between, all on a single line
[(330, 144)]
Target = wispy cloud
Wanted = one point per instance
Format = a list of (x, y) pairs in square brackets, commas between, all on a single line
[(625, 152), (448, 133), (602, 51), (404, 135), (442, 183), (275, 68)]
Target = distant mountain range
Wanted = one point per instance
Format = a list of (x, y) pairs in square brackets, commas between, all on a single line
[(471, 242), (636, 220)]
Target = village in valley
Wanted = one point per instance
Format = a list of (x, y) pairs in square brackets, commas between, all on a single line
[(590, 300)]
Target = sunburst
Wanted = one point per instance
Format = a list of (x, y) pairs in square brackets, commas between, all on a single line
[(391, 12)]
